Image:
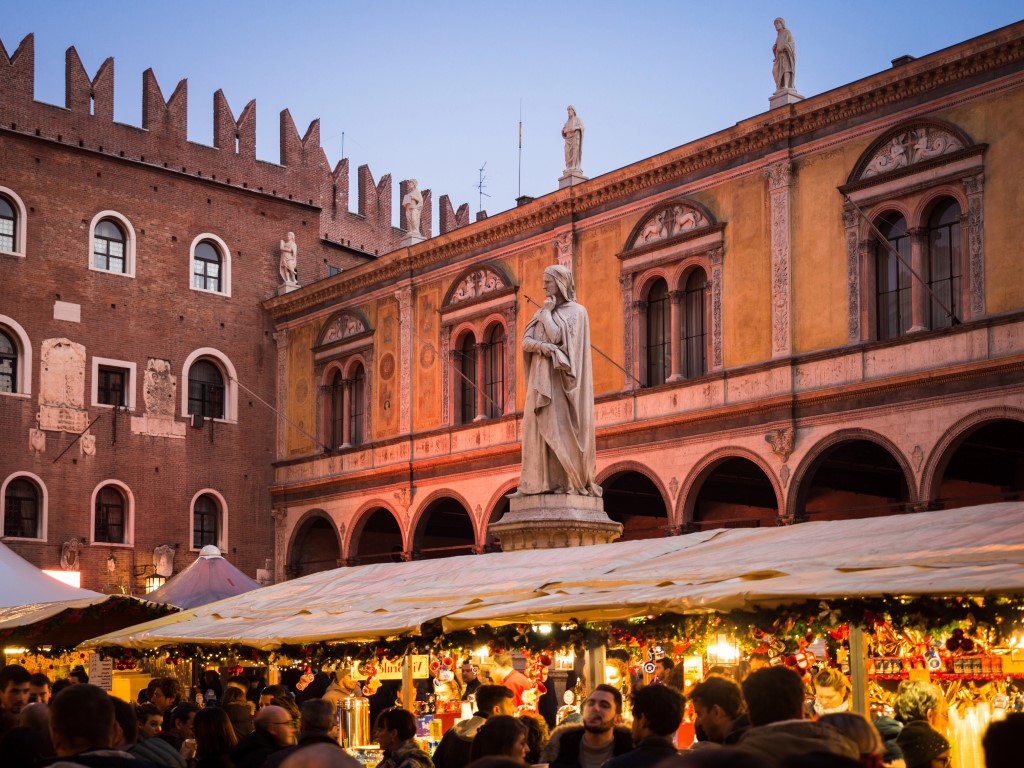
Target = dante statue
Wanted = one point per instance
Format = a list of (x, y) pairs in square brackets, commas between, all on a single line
[(572, 132), (559, 447), (288, 266), (413, 205), (784, 67)]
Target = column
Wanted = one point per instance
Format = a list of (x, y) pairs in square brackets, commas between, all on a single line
[(676, 323), (779, 177), (346, 412), (919, 296), (481, 399)]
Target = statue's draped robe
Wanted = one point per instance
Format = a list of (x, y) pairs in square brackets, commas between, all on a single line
[(559, 447), (785, 58)]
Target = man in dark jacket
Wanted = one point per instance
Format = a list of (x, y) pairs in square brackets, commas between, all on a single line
[(318, 727), (721, 711), (599, 738), (775, 703), (657, 713), (274, 729), (82, 726), (453, 751)]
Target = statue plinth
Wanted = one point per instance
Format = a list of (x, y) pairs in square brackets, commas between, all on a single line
[(287, 288), (571, 177), (551, 520), (411, 238), (784, 96)]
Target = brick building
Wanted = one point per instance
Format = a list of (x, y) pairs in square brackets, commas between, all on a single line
[(766, 355), (138, 366)]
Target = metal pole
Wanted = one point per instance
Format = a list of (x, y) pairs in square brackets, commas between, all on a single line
[(858, 671)]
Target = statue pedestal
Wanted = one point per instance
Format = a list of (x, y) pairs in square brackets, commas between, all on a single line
[(784, 96), (287, 288), (547, 521), (571, 178), (411, 238)]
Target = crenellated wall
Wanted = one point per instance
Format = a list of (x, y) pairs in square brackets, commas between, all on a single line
[(303, 173)]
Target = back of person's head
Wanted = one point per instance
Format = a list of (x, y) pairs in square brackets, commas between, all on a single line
[(78, 673), (820, 759), (666, 663), (915, 699), (320, 756), (402, 721), (14, 674), (58, 686), (857, 729), (317, 716), (214, 732), (537, 735), (725, 757), (662, 706), (232, 695), (81, 719), (239, 680), (614, 692), (773, 694), (1003, 742), (490, 696), (495, 761), (497, 736), (619, 654), (502, 660), (124, 714), (275, 692), (723, 691), (920, 744), (36, 717)]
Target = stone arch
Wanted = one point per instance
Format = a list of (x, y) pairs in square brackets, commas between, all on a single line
[(891, 152), (928, 201), (953, 438), (616, 499), (811, 463), (309, 551), (369, 514), (462, 541), (496, 508), (668, 221), (695, 480)]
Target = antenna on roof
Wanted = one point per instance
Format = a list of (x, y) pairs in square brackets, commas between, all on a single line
[(480, 187), (520, 192)]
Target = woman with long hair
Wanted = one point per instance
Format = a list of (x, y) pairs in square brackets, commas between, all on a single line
[(215, 738)]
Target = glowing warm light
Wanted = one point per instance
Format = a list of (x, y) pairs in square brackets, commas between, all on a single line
[(564, 660), (544, 629), (15, 651), (74, 578), (483, 652), (722, 651)]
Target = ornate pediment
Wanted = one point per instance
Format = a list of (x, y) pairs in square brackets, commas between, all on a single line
[(342, 326), (908, 146), (667, 222), (475, 285)]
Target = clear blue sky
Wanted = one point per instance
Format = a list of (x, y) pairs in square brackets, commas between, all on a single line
[(433, 90)]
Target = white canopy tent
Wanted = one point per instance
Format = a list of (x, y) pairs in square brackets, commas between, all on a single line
[(974, 551), (209, 579)]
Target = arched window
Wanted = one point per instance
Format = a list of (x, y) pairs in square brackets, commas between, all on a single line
[(22, 509), (945, 265), (111, 516), (694, 334), (205, 522), (465, 357), (8, 363), (8, 226), (205, 390), (206, 267), (494, 373), (356, 404), (109, 251), (893, 278), (659, 335)]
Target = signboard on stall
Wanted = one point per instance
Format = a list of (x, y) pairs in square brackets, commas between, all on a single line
[(391, 669), (101, 672)]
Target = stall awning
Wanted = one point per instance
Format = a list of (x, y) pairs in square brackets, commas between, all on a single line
[(976, 551)]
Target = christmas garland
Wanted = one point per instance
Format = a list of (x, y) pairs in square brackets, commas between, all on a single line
[(777, 630)]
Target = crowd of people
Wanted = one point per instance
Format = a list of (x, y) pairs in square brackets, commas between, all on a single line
[(767, 721)]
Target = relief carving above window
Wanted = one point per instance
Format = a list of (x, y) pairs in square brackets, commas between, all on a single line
[(477, 283), (909, 145), (342, 327), (667, 223)]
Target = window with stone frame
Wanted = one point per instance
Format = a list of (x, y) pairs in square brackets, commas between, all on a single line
[(477, 312), (206, 267), (342, 354), (110, 519), (9, 360), (913, 204), (109, 247), (206, 521), (671, 309), (23, 509), (206, 390), (8, 226)]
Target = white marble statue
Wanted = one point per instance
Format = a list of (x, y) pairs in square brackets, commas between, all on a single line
[(784, 67), (559, 447), (412, 203), (572, 132), (289, 260)]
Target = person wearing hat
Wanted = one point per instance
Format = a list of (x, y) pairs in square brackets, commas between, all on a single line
[(923, 746)]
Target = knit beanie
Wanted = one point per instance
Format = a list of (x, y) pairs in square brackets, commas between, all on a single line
[(920, 743)]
